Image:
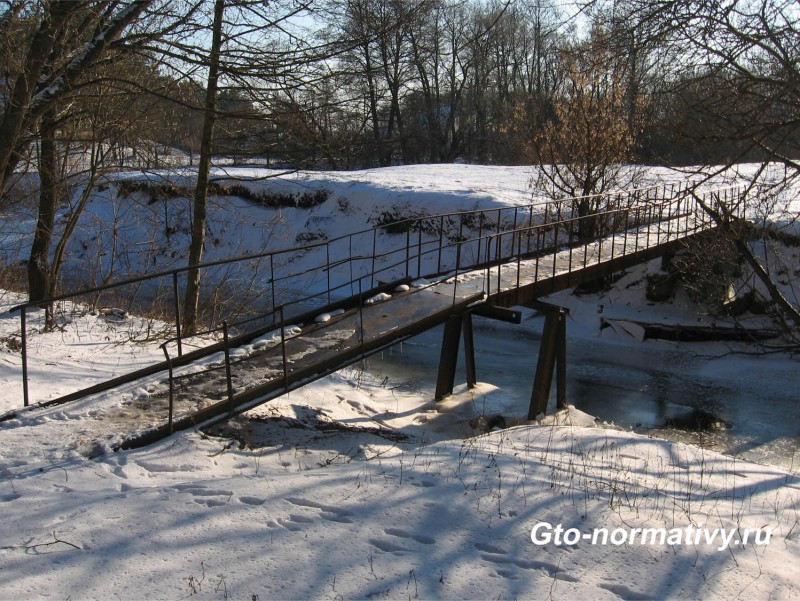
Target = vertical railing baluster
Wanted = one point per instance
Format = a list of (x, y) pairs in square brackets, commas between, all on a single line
[(328, 268), (555, 240), (419, 251), (171, 388), (283, 349), (458, 262), (441, 240), (350, 263), (177, 301), (627, 227), (361, 318), (530, 230), (499, 260), (513, 229), (24, 336), (519, 254), (408, 249), (374, 252), (480, 234), (272, 279), (228, 378)]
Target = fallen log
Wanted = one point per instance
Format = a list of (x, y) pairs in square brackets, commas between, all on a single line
[(687, 333)]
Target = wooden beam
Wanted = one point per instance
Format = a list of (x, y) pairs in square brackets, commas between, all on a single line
[(469, 350), (544, 367), (448, 358), (552, 355), (499, 313), (561, 362)]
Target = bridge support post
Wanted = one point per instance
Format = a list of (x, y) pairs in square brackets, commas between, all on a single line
[(552, 357), (448, 359), (469, 350)]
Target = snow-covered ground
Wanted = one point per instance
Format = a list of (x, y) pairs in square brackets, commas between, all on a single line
[(359, 485)]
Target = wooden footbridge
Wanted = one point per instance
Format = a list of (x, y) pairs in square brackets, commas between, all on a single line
[(332, 303)]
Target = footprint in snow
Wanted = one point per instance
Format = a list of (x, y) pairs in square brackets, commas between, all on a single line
[(424, 484), (210, 502), (425, 540), (294, 522), (327, 512), (490, 549), (552, 570), (251, 500), (388, 547), (624, 592)]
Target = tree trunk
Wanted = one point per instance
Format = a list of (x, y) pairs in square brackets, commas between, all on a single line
[(39, 285), (192, 299)]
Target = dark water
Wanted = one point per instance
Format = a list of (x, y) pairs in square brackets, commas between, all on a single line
[(740, 405)]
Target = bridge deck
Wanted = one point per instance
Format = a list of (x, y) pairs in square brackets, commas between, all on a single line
[(313, 350), (265, 368)]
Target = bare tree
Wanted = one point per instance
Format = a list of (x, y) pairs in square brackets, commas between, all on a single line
[(741, 61), (585, 150), (65, 39), (60, 49), (192, 298)]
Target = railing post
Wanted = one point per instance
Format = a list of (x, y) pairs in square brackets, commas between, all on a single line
[(272, 279), (283, 349), (361, 318), (408, 249), (519, 253), (614, 225), (460, 238), (600, 248), (499, 220), (177, 311), (328, 268), (530, 229), (480, 234), (514, 230), (686, 227), (374, 252), (585, 248), (228, 366), (555, 240), (625, 231), (441, 240), (669, 216), (570, 234), (419, 252), (538, 254), (350, 261), (24, 335), (171, 388), (499, 260)]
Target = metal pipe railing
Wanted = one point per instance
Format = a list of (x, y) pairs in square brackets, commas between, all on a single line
[(622, 214)]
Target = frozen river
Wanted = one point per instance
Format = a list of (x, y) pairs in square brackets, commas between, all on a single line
[(654, 388)]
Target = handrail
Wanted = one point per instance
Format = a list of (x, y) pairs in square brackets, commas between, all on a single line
[(303, 248)]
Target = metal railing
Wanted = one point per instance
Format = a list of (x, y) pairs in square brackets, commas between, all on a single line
[(436, 246)]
